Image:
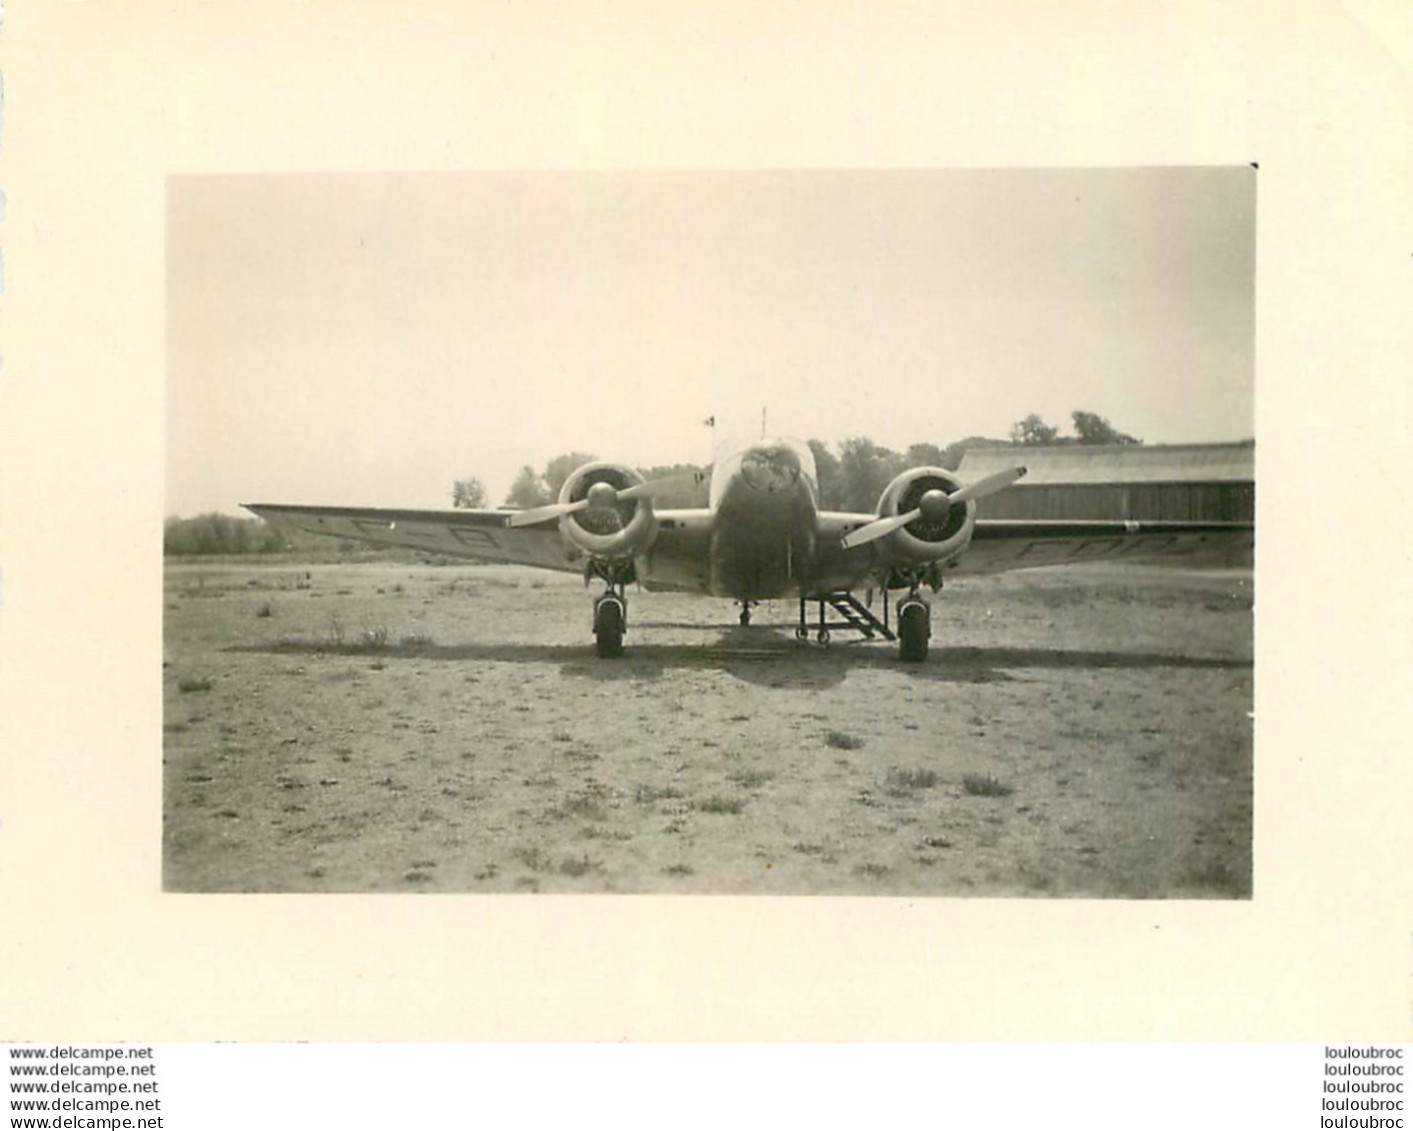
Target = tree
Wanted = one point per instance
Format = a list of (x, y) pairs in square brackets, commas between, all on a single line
[(468, 494), (219, 534), (925, 455), (864, 470), (690, 489), (826, 468), (1091, 428), (528, 490), (561, 468), (1033, 430)]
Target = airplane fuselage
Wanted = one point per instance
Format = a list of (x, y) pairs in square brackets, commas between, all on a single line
[(764, 505), (759, 538)]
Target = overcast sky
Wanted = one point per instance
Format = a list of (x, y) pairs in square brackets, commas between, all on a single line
[(367, 339)]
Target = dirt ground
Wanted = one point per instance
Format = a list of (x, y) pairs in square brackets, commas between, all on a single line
[(384, 726)]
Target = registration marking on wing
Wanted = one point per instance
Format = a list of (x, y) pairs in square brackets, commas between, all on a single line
[(1119, 546), (474, 537), (372, 527)]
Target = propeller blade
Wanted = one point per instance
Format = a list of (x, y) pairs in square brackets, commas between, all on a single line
[(657, 487), (879, 529), (987, 486), (648, 490), (545, 513)]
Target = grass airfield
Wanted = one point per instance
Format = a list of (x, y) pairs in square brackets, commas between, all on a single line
[(379, 725)]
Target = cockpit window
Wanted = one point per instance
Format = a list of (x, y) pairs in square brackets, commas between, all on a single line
[(771, 469)]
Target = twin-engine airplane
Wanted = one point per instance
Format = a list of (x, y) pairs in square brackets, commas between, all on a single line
[(763, 537)]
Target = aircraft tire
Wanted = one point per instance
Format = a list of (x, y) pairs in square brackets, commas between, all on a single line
[(914, 628), (608, 629)]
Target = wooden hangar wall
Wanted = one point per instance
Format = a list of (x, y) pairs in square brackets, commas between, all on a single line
[(1153, 482)]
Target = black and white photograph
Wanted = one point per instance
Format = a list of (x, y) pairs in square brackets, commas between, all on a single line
[(807, 532), (555, 551)]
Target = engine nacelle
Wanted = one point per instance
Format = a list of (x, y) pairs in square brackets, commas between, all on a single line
[(610, 528), (929, 537)]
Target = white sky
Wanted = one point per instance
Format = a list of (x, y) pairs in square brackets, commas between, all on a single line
[(367, 339)]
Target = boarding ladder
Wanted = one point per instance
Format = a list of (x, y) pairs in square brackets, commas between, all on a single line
[(857, 617)]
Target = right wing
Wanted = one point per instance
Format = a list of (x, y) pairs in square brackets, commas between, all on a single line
[(998, 545), (481, 535)]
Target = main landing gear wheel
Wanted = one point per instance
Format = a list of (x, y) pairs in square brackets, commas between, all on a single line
[(914, 628), (745, 613), (608, 627)]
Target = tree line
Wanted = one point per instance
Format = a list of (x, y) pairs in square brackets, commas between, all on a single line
[(220, 534), (226, 534), (852, 474)]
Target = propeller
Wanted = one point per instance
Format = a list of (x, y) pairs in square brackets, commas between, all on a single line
[(934, 506), (987, 485), (600, 496)]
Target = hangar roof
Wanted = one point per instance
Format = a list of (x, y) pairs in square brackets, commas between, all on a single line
[(1118, 463)]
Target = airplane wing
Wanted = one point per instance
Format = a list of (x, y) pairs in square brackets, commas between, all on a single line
[(481, 535), (998, 545)]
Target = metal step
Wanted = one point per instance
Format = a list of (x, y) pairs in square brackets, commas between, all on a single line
[(859, 616)]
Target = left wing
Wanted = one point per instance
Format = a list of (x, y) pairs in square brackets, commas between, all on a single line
[(478, 534)]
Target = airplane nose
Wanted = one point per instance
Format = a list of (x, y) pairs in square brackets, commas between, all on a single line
[(770, 469)]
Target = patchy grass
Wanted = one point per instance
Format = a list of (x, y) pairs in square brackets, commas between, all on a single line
[(1218, 876), (986, 785), (264, 609), (904, 783), (750, 779), (586, 806), (189, 684), (456, 729), (535, 858), (652, 794), (576, 866), (720, 803)]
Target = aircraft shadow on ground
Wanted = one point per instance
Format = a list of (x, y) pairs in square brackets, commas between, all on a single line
[(760, 656)]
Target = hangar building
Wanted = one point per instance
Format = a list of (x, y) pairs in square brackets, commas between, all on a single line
[(1153, 482)]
